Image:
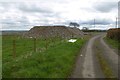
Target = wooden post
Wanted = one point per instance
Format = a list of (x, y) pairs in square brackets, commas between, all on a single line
[(46, 43), (14, 48), (34, 44), (72, 35)]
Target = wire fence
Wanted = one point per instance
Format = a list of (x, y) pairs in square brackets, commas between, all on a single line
[(14, 46)]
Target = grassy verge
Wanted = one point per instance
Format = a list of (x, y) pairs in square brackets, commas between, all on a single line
[(107, 71), (105, 67), (54, 62), (113, 43)]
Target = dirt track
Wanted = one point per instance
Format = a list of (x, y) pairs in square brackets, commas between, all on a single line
[(88, 66)]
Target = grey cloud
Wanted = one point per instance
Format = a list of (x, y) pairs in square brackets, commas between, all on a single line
[(46, 14), (105, 6), (5, 6), (20, 23), (22, 19), (30, 8), (41, 10), (25, 7), (8, 5), (97, 22), (9, 20), (53, 14), (33, 8)]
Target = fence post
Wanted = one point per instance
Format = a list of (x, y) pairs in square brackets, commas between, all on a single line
[(14, 48), (72, 35), (34, 44), (46, 43)]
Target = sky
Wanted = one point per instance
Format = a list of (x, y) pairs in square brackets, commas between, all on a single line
[(24, 14)]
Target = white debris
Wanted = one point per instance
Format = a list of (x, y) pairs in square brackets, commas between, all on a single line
[(72, 40), (81, 55), (31, 37)]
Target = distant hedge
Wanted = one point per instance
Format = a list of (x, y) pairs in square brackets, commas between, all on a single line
[(114, 34), (94, 30)]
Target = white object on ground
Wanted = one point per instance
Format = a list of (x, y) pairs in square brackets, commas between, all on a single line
[(81, 55), (72, 40)]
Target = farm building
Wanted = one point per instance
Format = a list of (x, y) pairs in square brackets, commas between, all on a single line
[(53, 31)]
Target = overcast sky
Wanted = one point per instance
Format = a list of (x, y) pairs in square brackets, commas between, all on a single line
[(23, 15)]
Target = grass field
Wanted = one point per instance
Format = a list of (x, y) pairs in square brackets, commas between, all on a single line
[(113, 43), (56, 61)]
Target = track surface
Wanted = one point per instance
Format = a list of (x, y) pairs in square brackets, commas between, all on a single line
[(87, 64)]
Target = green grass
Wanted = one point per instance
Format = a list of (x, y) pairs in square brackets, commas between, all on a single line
[(56, 61), (105, 67), (114, 43)]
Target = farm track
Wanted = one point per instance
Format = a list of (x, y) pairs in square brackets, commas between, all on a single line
[(88, 65)]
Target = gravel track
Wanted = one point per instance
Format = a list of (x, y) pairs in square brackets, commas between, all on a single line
[(87, 64)]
